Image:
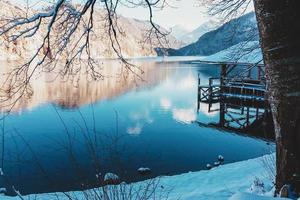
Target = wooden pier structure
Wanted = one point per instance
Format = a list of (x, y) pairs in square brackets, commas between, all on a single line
[(240, 92), (241, 86)]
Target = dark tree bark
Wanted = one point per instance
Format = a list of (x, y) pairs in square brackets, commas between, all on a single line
[(279, 28)]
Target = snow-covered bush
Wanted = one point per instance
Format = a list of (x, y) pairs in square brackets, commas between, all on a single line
[(258, 186)]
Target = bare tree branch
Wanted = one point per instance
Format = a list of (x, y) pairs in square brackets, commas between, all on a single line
[(66, 31)]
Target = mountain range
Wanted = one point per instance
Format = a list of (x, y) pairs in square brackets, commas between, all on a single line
[(237, 30), (131, 38), (211, 38)]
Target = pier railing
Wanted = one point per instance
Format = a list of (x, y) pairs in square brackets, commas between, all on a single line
[(244, 88), (241, 96)]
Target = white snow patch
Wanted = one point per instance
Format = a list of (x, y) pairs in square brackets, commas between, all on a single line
[(220, 157), (144, 169), (2, 190), (111, 177), (208, 166), (217, 163), (259, 187)]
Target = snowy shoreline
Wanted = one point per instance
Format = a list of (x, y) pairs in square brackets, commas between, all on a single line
[(230, 181)]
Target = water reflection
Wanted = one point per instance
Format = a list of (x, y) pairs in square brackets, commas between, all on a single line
[(69, 93), (128, 126)]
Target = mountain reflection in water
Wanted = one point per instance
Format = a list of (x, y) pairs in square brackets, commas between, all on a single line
[(72, 92)]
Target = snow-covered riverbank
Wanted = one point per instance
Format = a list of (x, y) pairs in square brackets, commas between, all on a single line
[(223, 182)]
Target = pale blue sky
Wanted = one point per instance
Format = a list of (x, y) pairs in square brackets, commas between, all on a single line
[(187, 13)]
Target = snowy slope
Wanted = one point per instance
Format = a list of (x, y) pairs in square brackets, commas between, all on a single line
[(245, 196), (244, 52), (220, 183)]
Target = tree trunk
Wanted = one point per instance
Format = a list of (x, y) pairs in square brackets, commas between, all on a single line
[(279, 29)]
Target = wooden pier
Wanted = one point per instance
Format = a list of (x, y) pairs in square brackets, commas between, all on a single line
[(241, 88), (241, 96)]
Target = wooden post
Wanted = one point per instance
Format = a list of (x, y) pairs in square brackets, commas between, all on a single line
[(249, 73), (222, 84), (199, 95), (222, 114), (222, 78), (248, 116), (210, 90), (259, 73)]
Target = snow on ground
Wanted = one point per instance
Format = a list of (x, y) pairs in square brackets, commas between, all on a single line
[(231, 181), (244, 52), (245, 196)]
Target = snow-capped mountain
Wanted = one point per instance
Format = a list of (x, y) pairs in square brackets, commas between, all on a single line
[(231, 33), (193, 36), (179, 31)]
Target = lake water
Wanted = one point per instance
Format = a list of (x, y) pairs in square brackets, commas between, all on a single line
[(65, 134)]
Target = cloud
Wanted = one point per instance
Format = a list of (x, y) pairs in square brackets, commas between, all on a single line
[(187, 83), (204, 109), (136, 130), (165, 103), (140, 119), (185, 116), (143, 116)]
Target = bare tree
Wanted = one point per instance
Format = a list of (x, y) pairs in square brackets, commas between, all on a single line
[(66, 31), (279, 33), (227, 9)]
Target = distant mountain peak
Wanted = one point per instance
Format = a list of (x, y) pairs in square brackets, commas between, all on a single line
[(237, 30), (205, 27), (178, 31)]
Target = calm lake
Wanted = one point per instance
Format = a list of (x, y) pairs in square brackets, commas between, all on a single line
[(65, 134)]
